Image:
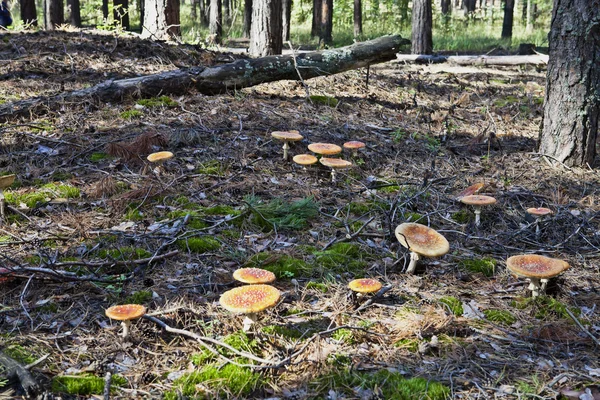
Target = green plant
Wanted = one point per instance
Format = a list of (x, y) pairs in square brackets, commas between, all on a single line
[(486, 266), (324, 100), (165, 101), (131, 114), (500, 316), (202, 244), (84, 384), (454, 305), (282, 265), (141, 297), (124, 253), (342, 257), (281, 214)]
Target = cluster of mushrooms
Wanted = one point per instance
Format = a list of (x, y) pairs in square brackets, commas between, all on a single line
[(324, 150)]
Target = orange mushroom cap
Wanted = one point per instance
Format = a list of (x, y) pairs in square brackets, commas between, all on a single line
[(125, 312), (335, 163), (478, 200), (536, 266), (7, 180), (290, 136), (250, 298), (305, 159), (354, 145), (365, 285), (422, 239), (539, 212), (253, 275), (160, 156), (471, 190), (325, 148)]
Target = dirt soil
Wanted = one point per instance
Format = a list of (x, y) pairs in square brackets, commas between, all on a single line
[(109, 228)]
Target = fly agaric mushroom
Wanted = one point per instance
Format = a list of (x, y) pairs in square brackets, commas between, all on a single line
[(287, 136), (354, 145), (421, 241), (538, 269), (158, 159), (304, 160), (335, 163), (478, 201), (253, 275), (325, 149), (125, 313), (538, 214), (5, 181), (365, 285), (471, 190), (249, 300)]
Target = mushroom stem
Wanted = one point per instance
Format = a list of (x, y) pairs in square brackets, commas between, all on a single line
[(249, 319), (286, 147), (537, 228), (125, 325), (414, 257), (333, 175), (543, 285), (534, 286), (477, 216), (2, 204)]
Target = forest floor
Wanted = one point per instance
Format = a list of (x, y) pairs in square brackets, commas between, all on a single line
[(86, 208)]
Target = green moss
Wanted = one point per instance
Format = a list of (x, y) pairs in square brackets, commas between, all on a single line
[(157, 102), (343, 335), (20, 354), (84, 384), (282, 214), (281, 330), (45, 193), (6, 238), (389, 188), (462, 217), (141, 297), (508, 100), (220, 210), (131, 114), (212, 167), (202, 244), (411, 345), (342, 257), (124, 253), (500, 316), (544, 307), (324, 100), (238, 340), (321, 287), (486, 266), (454, 304), (391, 385), (360, 208), (133, 214), (282, 265), (98, 157), (414, 217), (61, 176), (194, 221)]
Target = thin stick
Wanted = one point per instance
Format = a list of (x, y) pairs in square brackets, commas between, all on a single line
[(107, 382), (582, 327)]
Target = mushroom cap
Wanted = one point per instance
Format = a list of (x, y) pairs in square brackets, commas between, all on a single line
[(125, 312), (365, 285), (422, 239), (539, 212), (535, 266), (253, 275), (7, 180), (471, 190), (250, 298), (305, 159), (290, 136), (353, 145), (478, 200), (160, 156), (335, 163), (325, 148)]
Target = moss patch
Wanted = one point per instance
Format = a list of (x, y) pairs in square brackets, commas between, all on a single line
[(43, 194), (131, 114), (282, 265), (84, 384), (454, 305), (281, 214), (502, 317), (199, 245), (20, 354), (124, 253), (324, 100), (462, 216), (165, 101), (342, 257), (141, 297), (486, 266)]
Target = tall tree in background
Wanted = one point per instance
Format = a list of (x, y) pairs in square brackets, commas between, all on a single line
[(121, 13), (358, 18), (572, 103), (403, 11), (315, 29), (507, 22), (529, 25), (54, 14), (215, 21), (74, 13), (422, 22), (446, 7), (161, 19), (227, 11), (247, 18), (266, 31), (203, 10), (28, 12), (326, 21), (286, 12), (104, 8)]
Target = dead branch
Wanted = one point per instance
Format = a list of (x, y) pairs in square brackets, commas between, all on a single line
[(15, 371), (538, 59)]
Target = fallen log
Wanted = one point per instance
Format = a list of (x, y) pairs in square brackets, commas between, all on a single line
[(218, 79), (536, 59), (14, 371)]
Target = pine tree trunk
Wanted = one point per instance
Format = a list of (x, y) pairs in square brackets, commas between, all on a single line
[(403, 8), (287, 19), (529, 25), (215, 21), (507, 23), (203, 9), (104, 8), (421, 27), (445, 7), (74, 13), (358, 28), (194, 10), (247, 18), (54, 14), (572, 103), (121, 13), (266, 31), (29, 12), (161, 19), (326, 21), (226, 11), (316, 18)]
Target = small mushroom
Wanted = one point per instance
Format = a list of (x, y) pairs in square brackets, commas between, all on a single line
[(354, 145), (478, 201), (421, 241), (538, 269), (304, 160), (250, 300), (287, 137), (5, 181), (471, 190), (253, 275), (335, 163), (125, 313), (538, 214), (158, 159), (365, 285), (325, 149)]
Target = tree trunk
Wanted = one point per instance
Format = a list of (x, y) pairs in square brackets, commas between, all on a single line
[(421, 27), (326, 21), (316, 18), (141, 8), (529, 25), (266, 32), (54, 14), (358, 29), (161, 19), (203, 9), (287, 19), (445, 7), (403, 11), (507, 23), (104, 8), (74, 13), (28, 12), (247, 18), (220, 79), (215, 21), (572, 103), (536, 59), (194, 10), (121, 13), (227, 11)]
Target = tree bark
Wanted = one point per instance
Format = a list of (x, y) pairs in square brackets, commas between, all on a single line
[(215, 21), (403, 11), (287, 19), (266, 31), (121, 13), (227, 11), (529, 24), (421, 27), (54, 14), (74, 13), (203, 10), (326, 21), (12, 370), (572, 103), (507, 23), (247, 18), (445, 7), (28, 12), (538, 59), (104, 8), (219, 79), (358, 26), (316, 18), (161, 19)]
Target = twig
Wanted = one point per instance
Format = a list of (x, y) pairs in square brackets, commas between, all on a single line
[(377, 295), (298, 71), (596, 341), (348, 237), (107, 382), (21, 299), (38, 361)]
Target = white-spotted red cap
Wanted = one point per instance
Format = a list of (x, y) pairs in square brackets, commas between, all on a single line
[(125, 312), (365, 285), (536, 266), (253, 275), (250, 298)]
